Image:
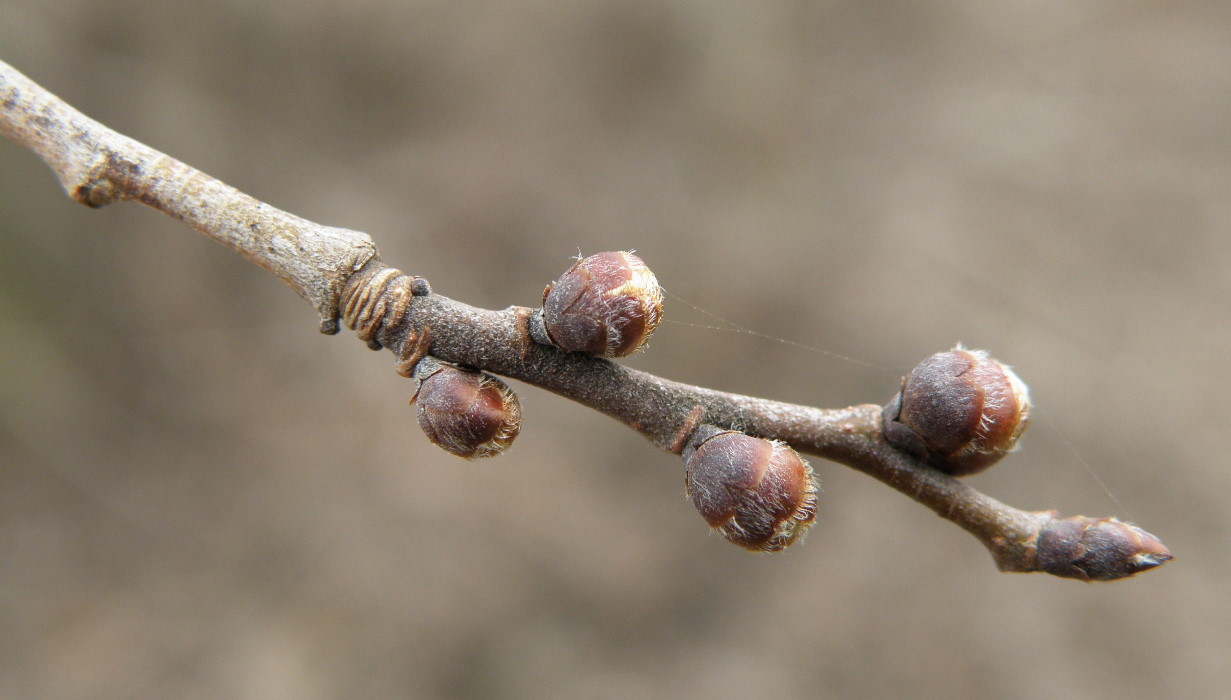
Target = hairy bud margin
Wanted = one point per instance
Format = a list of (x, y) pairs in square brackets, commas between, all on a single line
[(465, 412), (759, 494), (960, 410), (606, 304)]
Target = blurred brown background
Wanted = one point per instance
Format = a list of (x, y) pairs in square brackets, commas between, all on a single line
[(201, 497)]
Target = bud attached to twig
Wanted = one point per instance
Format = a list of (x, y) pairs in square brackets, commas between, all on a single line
[(1098, 549), (758, 493), (960, 410), (606, 304), (468, 413)]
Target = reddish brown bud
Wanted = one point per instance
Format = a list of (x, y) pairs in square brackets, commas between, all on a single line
[(960, 410), (468, 413), (1102, 549), (607, 305), (758, 493)]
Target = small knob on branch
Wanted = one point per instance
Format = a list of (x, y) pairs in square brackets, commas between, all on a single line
[(960, 410), (468, 413), (606, 304), (759, 494)]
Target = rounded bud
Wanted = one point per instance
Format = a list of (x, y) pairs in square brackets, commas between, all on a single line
[(468, 413), (607, 304), (960, 410), (757, 493)]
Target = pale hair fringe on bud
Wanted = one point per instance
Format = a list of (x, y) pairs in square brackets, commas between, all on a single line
[(759, 494), (606, 304), (465, 412), (960, 410)]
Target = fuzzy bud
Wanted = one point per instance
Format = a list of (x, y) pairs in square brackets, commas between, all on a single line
[(757, 493), (607, 304), (470, 414), (960, 410)]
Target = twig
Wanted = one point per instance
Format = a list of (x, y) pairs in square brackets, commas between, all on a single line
[(339, 270)]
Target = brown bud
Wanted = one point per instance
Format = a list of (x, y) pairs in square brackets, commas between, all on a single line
[(960, 410), (470, 414), (607, 304), (758, 493), (1097, 549)]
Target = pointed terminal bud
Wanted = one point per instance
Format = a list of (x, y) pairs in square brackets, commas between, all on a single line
[(470, 414), (960, 410), (757, 493), (607, 304), (1097, 549)]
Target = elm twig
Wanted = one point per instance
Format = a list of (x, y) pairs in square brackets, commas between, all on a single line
[(340, 273)]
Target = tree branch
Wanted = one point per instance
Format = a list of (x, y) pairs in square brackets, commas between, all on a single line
[(340, 273), (98, 166)]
